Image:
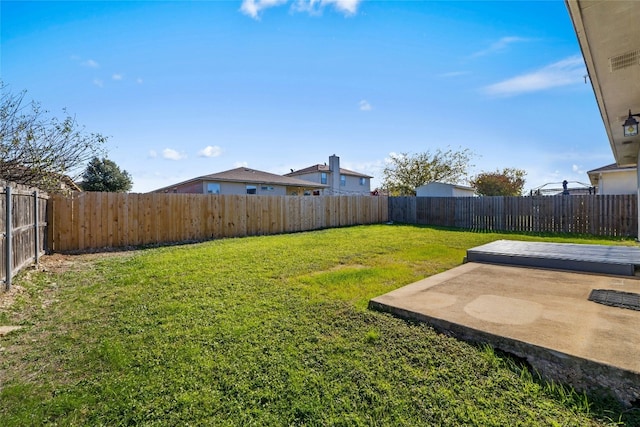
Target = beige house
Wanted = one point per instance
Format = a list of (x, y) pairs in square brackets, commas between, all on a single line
[(244, 181), (440, 189), (335, 179), (613, 179)]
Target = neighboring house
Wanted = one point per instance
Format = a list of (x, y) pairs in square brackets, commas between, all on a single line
[(244, 181), (440, 189), (68, 185), (336, 179), (613, 179)]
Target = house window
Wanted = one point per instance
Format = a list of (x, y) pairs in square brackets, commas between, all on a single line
[(213, 188), (266, 188), (363, 181), (343, 180), (323, 178), (252, 189)]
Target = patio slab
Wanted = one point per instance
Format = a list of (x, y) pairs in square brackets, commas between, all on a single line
[(543, 316)]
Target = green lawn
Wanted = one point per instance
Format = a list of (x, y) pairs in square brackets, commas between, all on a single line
[(262, 331)]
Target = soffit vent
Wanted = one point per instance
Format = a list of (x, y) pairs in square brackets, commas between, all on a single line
[(623, 61)]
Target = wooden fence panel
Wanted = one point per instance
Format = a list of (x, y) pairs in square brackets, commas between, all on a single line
[(85, 221), (608, 215), (23, 229)]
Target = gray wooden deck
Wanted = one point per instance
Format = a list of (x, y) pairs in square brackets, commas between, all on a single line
[(617, 260)]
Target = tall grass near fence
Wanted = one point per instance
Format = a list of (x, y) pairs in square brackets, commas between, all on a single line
[(97, 220)]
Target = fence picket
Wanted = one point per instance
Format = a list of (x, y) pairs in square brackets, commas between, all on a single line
[(96, 220), (598, 215)]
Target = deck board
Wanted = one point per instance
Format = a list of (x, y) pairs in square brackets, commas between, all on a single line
[(616, 260)]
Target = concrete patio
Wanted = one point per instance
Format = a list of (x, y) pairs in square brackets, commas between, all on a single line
[(541, 315)]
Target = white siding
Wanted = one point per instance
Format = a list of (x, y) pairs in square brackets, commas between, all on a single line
[(439, 189), (619, 182)]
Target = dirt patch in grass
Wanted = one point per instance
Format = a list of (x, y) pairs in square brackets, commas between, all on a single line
[(8, 298), (61, 263)]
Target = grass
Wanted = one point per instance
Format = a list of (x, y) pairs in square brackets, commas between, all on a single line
[(263, 331)]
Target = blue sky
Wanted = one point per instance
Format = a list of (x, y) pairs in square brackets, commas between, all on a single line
[(188, 88)]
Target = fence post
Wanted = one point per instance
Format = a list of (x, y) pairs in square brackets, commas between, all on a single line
[(36, 228), (7, 242)]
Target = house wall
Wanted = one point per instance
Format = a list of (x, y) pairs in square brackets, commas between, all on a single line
[(461, 192), (237, 188), (353, 186), (434, 189), (622, 182), (314, 177), (439, 189)]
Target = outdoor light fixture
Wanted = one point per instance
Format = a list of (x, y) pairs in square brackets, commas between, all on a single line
[(630, 125)]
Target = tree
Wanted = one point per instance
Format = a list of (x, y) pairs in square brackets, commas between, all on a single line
[(104, 175), (404, 172), (37, 149), (509, 182)]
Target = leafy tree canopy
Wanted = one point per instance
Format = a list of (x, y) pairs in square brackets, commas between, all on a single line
[(37, 149), (105, 175), (405, 172), (508, 182)]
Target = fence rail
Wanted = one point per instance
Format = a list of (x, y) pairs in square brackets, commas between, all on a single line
[(23, 223), (94, 220), (609, 215)]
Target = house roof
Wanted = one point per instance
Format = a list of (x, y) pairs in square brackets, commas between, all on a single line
[(594, 175), (325, 168), (248, 175), (612, 168)]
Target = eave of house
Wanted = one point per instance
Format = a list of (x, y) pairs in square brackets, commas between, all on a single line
[(609, 37)]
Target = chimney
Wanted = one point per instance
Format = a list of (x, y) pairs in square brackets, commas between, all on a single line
[(334, 167)]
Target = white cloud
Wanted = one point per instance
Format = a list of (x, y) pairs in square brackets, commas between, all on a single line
[(365, 106), (98, 82), (349, 7), (577, 169), (171, 154), (139, 81), (253, 8), (153, 154), (210, 151), (117, 77), (500, 45), (562, 73), (241, 165), (91, 63), (314, 7)]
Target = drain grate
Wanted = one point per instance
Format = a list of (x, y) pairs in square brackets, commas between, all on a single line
[(616, 298)]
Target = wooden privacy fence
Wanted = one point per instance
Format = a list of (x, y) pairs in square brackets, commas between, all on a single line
[(23, 221), (94, 220), (610, 215)]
